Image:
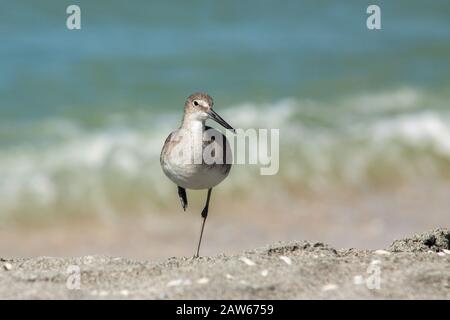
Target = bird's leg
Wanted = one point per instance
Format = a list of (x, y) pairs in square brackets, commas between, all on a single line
[(183, 197), (204, 216)]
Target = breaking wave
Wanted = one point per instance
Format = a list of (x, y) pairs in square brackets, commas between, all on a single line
[(63, 166)]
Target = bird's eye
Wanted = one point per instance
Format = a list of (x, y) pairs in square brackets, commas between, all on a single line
[(195, 103)]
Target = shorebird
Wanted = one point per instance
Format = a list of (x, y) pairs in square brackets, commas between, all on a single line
[(196, 156)]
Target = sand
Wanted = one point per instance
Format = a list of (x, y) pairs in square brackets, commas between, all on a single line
[(412, 268), (367, 219)]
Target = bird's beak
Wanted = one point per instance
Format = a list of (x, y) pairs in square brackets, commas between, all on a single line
[(214, 116)]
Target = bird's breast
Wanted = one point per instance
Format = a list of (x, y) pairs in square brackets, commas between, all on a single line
[(195, 163)]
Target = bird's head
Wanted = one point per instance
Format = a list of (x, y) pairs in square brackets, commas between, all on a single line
[(199, 107)]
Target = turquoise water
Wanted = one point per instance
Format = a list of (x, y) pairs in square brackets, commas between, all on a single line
[(83, 113)]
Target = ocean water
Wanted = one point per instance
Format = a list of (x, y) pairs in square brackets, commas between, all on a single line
[(83, 114)]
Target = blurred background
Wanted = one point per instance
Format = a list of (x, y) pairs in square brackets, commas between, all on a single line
[(364, 119)]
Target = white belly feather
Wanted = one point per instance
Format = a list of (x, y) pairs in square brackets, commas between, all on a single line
[(194, 176)]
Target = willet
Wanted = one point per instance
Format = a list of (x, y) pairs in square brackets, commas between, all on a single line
[(196, 156)]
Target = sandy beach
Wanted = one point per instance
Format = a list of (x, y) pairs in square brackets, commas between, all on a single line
[(416, 267)]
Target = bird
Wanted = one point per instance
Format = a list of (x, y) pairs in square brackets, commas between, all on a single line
[(196, 156)]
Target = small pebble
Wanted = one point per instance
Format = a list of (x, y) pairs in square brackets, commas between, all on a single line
[(124, 292), (441, 254), (229, 276), (174, 283), (264, 273), (163, 295), (103, 293), (375, 262), (88, 259), (358, 279), (382, 252), (203, 281), (179, 282), (187, 282), (7, 266), (329, 287), (286, 259), (446, 251), (247, 261)]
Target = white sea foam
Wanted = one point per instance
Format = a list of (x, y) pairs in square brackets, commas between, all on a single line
[(417, 130), (403, 99)]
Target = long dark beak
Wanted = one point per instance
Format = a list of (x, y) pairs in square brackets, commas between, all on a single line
[(213, 115)]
